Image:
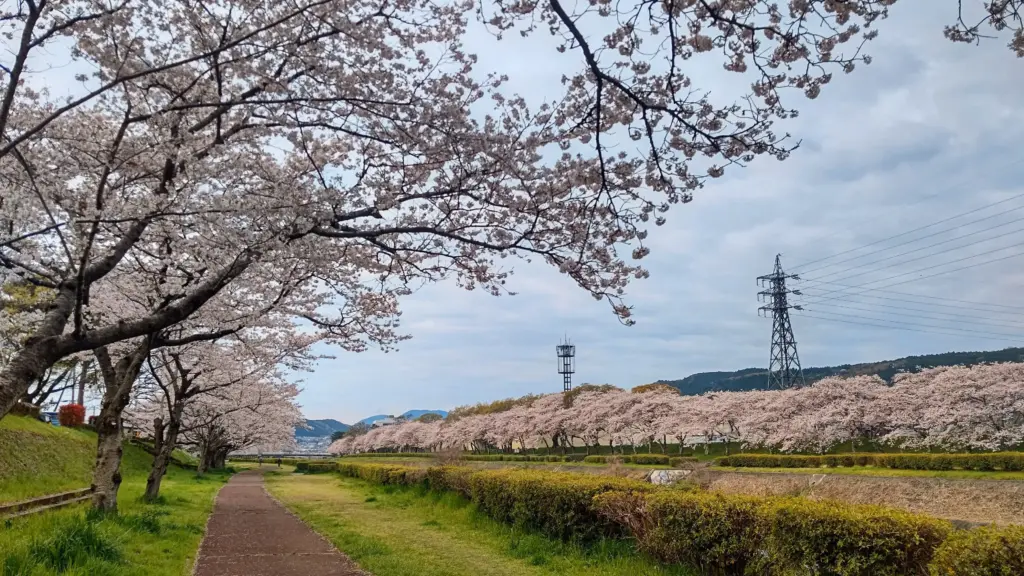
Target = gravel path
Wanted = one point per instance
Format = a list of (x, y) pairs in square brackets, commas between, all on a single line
[(251, 534)]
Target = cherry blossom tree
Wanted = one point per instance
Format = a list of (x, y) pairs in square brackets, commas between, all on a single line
[(229, 139)]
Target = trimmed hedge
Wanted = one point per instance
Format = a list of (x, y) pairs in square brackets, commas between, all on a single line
[(680, 461), (391, 455), (1005, 461), (985, 551), (722, 535), (559, 504), (314, 467), (736, 535), (661, 459)]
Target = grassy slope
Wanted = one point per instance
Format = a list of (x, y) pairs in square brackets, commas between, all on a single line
[(148, 539), (406, 532), (38, 459)]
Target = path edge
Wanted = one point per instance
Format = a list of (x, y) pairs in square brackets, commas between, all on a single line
[(206, 528), (263, 485)]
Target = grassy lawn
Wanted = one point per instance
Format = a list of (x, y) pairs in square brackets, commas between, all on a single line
[(393, 531), (37, 458), (885, 472), (145, 539)]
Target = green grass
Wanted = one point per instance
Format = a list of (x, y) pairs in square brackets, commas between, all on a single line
[(37, 458), (143, 539), (885, 472), (397, 531)]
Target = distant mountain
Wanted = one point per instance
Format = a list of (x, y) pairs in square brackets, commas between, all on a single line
[(414, 414), (320, 428), (410, 415), (371, 419), (757, 378)]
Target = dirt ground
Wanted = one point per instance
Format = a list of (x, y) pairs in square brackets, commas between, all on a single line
[(250, 534)]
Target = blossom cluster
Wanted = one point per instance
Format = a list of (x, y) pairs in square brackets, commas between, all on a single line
[(953, 408)]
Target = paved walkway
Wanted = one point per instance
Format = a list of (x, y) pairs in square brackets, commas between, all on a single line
[(250, 534)]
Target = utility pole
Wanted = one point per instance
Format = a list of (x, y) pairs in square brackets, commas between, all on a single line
[(784, 369)]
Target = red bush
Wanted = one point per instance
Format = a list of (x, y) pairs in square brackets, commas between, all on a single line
[(71, 415)]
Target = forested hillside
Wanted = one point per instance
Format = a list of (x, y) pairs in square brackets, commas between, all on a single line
[(757, 378)]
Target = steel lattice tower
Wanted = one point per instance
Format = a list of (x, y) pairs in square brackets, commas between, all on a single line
[(784, 369), (566, 353)]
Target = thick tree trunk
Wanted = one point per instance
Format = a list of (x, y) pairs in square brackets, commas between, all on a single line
[(106, 476), (118, 381)]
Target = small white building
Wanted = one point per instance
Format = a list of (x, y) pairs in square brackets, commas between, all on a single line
[(390, 420)]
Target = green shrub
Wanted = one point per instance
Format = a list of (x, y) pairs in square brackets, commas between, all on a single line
[(316, 467), (391, 455), (1006, 461), (985, 551), (556, 503), (661, 459), (383, 473), (595, 459), (722, 535), (680, 461), (574, 457), (847, 540)]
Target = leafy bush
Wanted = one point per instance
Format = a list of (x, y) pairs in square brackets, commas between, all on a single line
[(719, 534), (722, 535), (849, 540), (71, 415), (391, 455), (648, 459), (315, 467), (680, 461), (985, 551), (736, 535), (630, 459), (558, 504), (1006, 461)]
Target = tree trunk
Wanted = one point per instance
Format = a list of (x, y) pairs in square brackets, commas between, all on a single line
[(118, 381), (81, 381), (203, 460), (106, 477), (163, 454), (158, 435)]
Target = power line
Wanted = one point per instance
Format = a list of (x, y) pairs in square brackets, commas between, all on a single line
[(924, 237), (917, 324), (902, 307), (941, 264), (996, 237), (919, 296), (912, 231), (804, 314), (973, 319)]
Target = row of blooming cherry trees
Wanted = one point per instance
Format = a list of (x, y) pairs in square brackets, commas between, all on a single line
[(950, 408), (175, 172)]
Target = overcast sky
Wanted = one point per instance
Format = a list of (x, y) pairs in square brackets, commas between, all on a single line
[(929, 130)]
